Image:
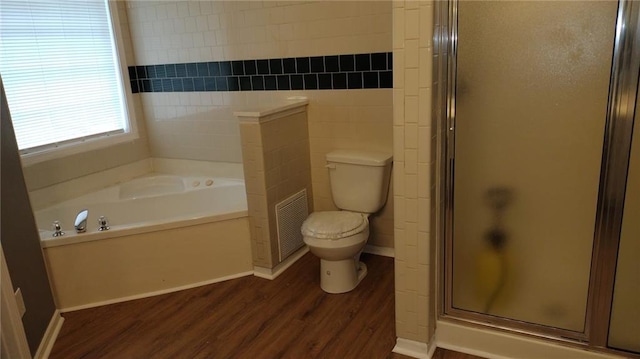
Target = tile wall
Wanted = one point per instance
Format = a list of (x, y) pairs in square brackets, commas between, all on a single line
[(412, 138), (200, 125), (358, 119), (334, 72), (180, 32), (276, 166)]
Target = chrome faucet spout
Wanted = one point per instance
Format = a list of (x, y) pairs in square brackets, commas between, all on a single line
[(81, 221)]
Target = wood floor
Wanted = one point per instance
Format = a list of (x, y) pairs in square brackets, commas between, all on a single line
[(249, 317)]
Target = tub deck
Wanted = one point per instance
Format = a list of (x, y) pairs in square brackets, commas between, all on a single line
[(152, 203)]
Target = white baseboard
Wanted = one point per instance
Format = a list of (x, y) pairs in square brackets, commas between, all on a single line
[(155, 293), (494, 344), (50, 336), (380, 251), (273, 273), (491, 344), (413, 348), (432, 346)]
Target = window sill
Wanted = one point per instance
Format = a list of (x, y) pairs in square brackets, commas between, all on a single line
[(76, 147)]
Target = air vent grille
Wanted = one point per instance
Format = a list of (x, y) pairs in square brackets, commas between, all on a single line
[(290, 214)]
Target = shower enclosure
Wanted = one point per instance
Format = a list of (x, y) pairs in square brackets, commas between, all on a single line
[(541, 168)]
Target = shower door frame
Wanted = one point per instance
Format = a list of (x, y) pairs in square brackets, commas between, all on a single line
[(623, 88)]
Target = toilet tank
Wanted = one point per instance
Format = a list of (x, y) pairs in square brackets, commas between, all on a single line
[(359, 179)]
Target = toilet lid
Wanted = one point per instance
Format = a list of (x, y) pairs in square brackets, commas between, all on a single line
[(334, 224)]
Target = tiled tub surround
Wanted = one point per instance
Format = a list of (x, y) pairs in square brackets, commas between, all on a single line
[(334, 72), (201, 125)]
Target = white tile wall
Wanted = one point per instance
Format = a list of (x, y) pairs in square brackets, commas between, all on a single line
[(414, 264), (192, 31), (196, 126)]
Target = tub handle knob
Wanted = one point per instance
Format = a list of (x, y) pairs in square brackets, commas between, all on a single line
[(57, 229), (103, 224)]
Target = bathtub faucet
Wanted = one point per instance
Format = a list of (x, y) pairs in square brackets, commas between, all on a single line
[(57, 230), (103, 224), (81, 221)]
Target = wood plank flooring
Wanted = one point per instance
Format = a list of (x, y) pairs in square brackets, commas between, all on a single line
[(249, 317)]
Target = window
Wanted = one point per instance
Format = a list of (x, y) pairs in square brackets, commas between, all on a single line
[(61, 73)]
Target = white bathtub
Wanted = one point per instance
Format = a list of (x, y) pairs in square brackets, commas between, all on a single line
[(151, 203), (166, 233)]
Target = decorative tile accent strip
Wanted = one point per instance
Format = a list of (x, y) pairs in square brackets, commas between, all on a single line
[(356, 71)]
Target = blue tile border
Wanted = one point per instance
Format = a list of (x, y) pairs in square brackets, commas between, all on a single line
[(332, 72)]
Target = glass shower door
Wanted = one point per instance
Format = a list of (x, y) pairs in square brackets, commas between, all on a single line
[(531, 104)]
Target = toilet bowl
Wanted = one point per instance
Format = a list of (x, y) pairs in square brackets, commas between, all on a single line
[(337, 238), (359, 186)]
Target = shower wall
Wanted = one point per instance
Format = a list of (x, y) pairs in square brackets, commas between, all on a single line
[(201, 126)]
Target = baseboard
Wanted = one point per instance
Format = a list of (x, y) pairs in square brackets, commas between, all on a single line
[(493, 344), (155, 293), (273, 273), (413, 349), (380, 251), (432, 346), (50, 336)]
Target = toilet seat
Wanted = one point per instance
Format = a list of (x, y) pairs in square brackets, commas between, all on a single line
[(333, 225)]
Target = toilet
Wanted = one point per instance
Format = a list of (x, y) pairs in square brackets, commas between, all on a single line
[(359, 183)]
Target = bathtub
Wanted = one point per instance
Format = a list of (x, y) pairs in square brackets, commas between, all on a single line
[(147, 204), (167, 233)]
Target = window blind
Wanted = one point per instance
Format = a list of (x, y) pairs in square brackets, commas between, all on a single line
[(60, 71)]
